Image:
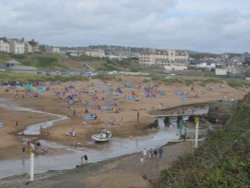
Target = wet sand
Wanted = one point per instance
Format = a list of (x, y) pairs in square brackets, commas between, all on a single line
[(122, 172)]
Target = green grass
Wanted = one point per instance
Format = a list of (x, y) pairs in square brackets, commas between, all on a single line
[(238, 83), (6, 76), (187, 80), (39, 61), (222, 161), (200, 80), (105, 64), (105, 77), (4, 58), (109, 67), (96, 63)]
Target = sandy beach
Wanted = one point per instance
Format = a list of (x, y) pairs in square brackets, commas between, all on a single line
[(116, 109)]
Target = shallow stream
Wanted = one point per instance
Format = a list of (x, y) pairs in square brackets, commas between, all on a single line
[(114, 148)]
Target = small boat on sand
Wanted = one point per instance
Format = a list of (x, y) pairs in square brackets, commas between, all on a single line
[(104, 136)]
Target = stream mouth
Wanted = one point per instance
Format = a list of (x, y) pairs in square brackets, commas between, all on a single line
[(116, 147), (69, 157), (35, 129), (31, 130)]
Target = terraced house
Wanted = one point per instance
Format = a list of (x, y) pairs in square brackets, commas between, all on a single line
[(18, 46), (4, 45)]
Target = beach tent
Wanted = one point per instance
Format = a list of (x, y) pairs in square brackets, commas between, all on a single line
[(119, 90), (161, 93), (36, 94), (113, 93), (133, 97), (41, 89), (89, 117), (29, 86), (129, 85)]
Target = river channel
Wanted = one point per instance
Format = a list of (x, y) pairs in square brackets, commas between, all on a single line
[(114, 148)]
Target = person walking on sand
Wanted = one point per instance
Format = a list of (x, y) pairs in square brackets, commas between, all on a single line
[(138, 116), (155, 152), (82, 157), (151, 153), (160, 152), (144, 152)]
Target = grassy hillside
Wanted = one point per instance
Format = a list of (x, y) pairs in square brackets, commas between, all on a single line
[(238, 83), (43, 61), (199, 80), (198, 55), (222, 161), (104, 64), (6, 76)]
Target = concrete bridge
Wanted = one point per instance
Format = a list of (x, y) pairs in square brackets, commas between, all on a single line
[(215, 111), (181, 113)]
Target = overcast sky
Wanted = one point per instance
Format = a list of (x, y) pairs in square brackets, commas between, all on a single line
[(201, 25)]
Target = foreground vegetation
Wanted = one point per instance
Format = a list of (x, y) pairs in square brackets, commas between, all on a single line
[(222, 161)]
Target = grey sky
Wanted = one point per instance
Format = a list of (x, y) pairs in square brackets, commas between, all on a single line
[(201, 25)]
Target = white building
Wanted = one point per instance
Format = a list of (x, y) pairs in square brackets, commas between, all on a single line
[(175, 67), (229, 70), (34, 45), (163, 57), (55, 50), (221, 71), (96, 53), (17, 46), (4, 45), (234, 69), (206, 65), (118, 57), (28, 48)]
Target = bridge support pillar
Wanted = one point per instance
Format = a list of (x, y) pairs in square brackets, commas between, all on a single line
[(180, 124), (197, 120)]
